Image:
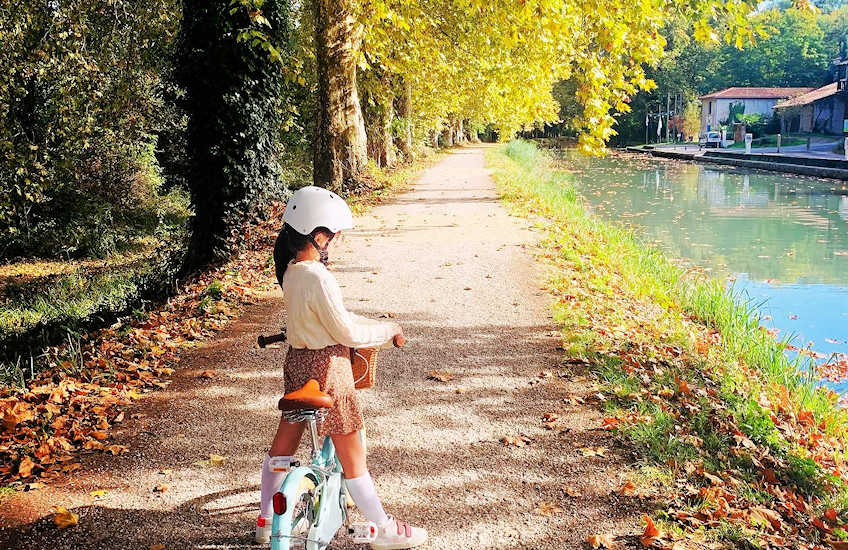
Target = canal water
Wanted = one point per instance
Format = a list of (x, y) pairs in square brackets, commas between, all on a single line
[(780, 240)]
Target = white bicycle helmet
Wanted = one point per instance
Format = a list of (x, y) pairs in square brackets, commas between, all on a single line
[(312, 207)]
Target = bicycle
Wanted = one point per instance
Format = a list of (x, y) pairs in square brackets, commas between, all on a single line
[(311, 504)]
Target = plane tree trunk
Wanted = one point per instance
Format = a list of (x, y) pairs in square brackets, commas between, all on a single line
[(340, 139)]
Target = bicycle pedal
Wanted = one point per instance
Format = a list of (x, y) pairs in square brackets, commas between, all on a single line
[(363, 533)]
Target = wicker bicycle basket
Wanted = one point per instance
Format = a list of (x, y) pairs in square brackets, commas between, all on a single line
[(363, 361)]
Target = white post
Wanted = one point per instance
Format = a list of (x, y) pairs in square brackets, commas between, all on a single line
[(723, 138), (845, 148), (748, 139), (778, 143)]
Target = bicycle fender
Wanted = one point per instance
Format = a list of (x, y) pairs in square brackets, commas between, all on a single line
[(281, 524)]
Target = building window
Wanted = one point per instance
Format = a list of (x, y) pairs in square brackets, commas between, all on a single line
[(710, 107)]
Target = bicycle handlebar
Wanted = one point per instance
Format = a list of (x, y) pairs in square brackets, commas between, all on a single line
[(265, 340), (274, 338)]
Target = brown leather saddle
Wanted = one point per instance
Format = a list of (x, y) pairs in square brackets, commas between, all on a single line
[(309, 396)]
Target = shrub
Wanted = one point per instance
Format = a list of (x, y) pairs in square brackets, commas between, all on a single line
[(76, 137)]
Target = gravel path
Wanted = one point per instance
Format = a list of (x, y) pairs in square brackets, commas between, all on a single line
[(458, 273)]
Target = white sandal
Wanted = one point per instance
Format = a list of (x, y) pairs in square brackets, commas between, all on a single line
[(398, 535)]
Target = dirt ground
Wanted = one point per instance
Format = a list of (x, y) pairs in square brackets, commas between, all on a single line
[(458, 273)]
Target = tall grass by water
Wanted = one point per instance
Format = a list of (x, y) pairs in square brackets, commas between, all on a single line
[(651, 273)]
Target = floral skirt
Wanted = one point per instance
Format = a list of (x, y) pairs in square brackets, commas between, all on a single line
[(330, 366)]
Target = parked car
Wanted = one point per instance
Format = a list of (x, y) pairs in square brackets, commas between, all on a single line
[(710, 139)]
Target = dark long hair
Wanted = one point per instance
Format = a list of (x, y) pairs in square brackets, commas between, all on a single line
[(289, 242)]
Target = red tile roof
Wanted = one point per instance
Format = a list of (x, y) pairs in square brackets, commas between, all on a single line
[(809, 97), (756, 93)]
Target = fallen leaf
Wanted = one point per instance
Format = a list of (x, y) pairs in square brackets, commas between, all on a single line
[(830, 515), (161, 488), (765, 516), (157, 547), (117, 449), (573, 492), (683, 386), (600, 541), (650, 533), (25, 467), (590, 451), (714, 480), (15, 412), (515, 441), (98, 493), (548, 509), (34, 485), (166, 471), (207, 374), (460, 390), (63, 518), (216, 460), (440, 376), (628, 489)]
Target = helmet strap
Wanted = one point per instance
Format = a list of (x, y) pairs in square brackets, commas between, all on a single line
[(322, 250)]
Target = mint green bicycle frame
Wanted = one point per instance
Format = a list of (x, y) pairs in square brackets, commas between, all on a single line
[(330, 511)]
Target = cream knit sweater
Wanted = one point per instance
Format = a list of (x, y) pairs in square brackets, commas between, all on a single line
[(316, 316)]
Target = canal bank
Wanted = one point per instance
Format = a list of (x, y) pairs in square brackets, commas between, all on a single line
[(801, 164), (720, 419)]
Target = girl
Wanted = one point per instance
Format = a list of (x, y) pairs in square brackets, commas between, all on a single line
[(320, 331)]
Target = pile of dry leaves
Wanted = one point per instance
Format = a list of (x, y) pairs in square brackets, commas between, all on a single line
[(80, 391)]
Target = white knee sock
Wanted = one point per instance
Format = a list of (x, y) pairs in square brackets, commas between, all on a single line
[(274, 471), (364, 494)]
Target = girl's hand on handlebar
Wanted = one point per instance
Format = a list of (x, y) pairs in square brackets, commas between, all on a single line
[(399, 340)]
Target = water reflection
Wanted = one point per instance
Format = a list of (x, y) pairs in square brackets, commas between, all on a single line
[(782, 238)]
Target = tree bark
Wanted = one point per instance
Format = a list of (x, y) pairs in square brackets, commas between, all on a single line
[(447, 135), (403, 102), (378, 111), (340, 142)]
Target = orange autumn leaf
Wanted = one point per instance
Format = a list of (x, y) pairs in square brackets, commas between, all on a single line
[(683, 386), (25, 467), (610, 423), (650, 533), (439, 376), (117, 449), (628, 489), (63, 518), (14, 412), (830, 515), (600, 541)]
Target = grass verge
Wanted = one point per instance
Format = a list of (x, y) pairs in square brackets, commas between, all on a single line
[(751, 447)]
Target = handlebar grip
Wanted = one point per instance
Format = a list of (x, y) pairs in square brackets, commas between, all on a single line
[(265, 340)]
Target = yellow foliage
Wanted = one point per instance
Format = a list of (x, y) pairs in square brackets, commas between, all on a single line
[(495, 62)]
